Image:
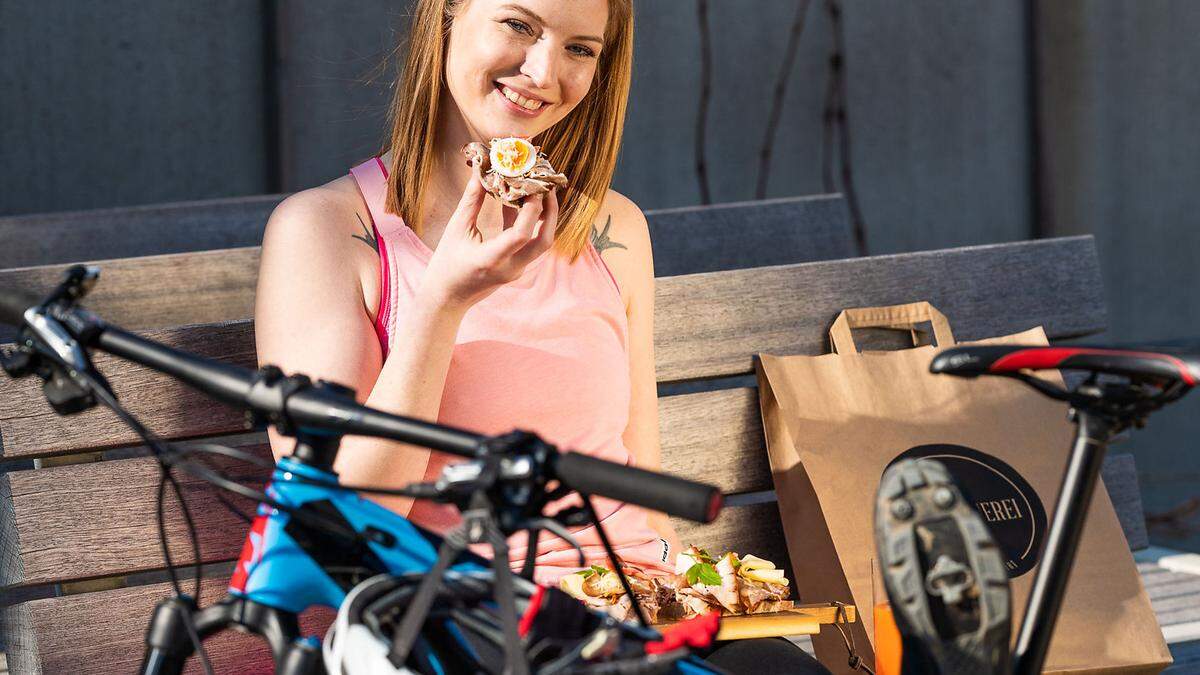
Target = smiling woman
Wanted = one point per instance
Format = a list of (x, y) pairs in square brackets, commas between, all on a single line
[(465, 312)]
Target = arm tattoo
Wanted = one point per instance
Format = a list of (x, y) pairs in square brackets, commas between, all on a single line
[(600, 239), (368, 237)]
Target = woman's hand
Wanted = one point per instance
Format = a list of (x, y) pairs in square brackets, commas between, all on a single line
[(465, 270)]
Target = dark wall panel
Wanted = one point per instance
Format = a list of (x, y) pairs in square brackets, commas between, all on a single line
[(1120, 96), (939, 119), (937, 104), (335, 75), (128, 102)]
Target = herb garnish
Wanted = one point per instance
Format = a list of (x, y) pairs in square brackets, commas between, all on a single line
[(704, 573)]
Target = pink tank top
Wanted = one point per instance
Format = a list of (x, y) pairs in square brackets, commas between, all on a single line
[(547, 353)]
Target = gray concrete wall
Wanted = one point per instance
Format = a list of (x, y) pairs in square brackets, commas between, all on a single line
[(1120, 96), (938, 109), (335, 68), (128, 102)]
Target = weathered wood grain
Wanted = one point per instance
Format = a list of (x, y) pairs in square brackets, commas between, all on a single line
[(711, 325), (160, 291), (11, 570), (86, 634), (99, 519), (29, 428), (114, 639), (686, 240), (716, 437), (210, 286)]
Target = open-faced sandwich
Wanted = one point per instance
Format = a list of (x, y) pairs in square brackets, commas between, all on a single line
[(512, 169), (701, 584)]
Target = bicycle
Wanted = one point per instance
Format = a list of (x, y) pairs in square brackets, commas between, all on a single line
[(957, 618), (312, 539)]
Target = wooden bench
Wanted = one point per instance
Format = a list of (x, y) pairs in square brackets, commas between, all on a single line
[(67, 526)]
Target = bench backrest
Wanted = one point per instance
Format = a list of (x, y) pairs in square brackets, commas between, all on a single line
[(83, 521), (144, 291), (723, 236)]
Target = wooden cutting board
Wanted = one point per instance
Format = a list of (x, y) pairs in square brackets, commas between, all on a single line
[(800, 620)]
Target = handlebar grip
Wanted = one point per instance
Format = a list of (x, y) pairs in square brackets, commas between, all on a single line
[(13, 303), (655, 491)]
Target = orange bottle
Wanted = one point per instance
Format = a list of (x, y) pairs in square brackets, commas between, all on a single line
[(887, 641)]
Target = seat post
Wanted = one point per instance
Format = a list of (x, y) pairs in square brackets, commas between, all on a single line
[(1062, 540)]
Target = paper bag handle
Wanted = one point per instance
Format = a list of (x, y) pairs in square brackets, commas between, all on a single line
[(895, 317)]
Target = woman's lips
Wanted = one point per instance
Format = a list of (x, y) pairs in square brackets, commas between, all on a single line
[(516, 108)]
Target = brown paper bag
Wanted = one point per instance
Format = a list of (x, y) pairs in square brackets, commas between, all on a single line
[(833, 423)]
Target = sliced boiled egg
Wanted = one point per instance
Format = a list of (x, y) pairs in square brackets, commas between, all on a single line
[(512, 157)]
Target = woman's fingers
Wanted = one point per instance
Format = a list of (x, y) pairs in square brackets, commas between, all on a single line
[(544, 239), (511, 240), (470, 204), (549, 217), (508, 216)]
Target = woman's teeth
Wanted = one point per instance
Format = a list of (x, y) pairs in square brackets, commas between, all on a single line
[(520, 100)]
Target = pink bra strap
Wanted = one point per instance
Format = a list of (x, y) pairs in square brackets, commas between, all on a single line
[(371, 177)]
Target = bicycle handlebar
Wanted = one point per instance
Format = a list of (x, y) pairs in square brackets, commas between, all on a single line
[(655, 491), (331, 409)]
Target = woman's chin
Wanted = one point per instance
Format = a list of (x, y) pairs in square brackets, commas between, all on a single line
[(498, 128)]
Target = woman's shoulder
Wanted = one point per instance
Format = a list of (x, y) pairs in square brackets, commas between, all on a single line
[(621, 236), (325, 229), (319, 211)]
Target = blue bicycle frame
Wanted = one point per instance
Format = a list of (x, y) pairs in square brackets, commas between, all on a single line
[(277, 571), (283, 570)]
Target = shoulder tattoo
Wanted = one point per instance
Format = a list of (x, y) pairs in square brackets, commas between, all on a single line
[(600, 239), (368, 237)]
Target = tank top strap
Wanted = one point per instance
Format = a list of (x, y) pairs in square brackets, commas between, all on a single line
[(372, 177)]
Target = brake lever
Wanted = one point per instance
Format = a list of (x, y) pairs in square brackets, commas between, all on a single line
[(52, 345)]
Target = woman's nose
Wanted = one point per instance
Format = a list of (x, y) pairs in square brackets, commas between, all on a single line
[(540, 64)]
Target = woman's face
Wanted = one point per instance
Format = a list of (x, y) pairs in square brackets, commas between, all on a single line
[(543, 53)]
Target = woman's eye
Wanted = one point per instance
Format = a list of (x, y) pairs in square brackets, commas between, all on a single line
[(582, 51), (519, 26)]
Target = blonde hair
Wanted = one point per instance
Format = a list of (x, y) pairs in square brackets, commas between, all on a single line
[(583, 145)]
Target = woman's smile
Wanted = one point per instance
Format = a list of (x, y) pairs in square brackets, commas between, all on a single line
[(519, 102)]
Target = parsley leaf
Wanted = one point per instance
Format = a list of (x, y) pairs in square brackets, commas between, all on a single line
[(592, 571), (703, 573)]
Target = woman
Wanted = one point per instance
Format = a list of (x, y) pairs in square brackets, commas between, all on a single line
[(377, 280)]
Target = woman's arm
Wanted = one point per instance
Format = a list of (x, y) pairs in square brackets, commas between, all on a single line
[(634, 268), (311, 316)]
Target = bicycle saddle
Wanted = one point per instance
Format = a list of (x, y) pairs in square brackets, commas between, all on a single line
[(1165, 365)]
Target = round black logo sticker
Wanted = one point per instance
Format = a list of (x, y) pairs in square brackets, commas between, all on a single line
[(1007, 503)]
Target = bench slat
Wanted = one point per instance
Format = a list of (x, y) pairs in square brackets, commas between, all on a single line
[(29, 428), (160, 291), (163, 290), (709, 325), (687, 240), (71, 236), (99, 519), (85, 634), (114, 639), (695, 239)]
